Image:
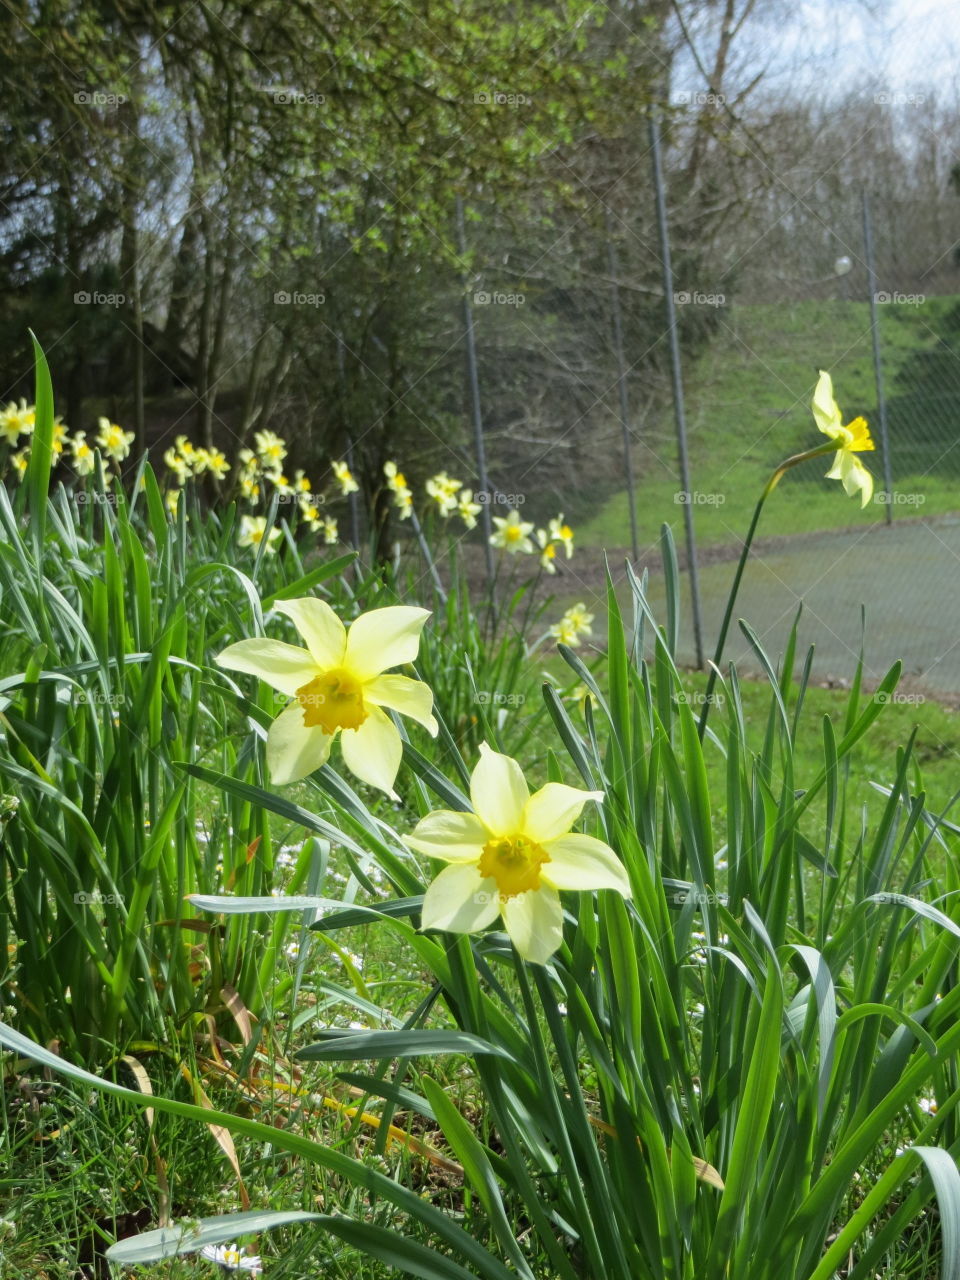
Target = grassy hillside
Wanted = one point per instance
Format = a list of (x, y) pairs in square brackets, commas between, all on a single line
[(748, 407)]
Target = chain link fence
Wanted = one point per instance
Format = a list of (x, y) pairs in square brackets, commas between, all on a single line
[(579, 402)]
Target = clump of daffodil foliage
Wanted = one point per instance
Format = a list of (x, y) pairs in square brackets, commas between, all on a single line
[(648, 1024)]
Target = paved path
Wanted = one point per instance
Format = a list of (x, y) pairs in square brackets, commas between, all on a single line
[(907, 576)]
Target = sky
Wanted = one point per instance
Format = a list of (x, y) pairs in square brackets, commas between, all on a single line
[(912, 45)]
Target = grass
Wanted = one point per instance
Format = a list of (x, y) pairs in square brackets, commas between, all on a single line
[(747, 402)]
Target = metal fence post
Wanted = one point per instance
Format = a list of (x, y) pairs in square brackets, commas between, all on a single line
[(474, 383), (877, 362), (622, 383), (677, 381)]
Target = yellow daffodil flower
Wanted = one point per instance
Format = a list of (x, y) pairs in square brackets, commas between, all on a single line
[(565, 633), (574, 624), (443, 489), (82, 456), (300, 482), (19, 463), (309, 512), (402, 493), (17, 421), (172, 500), (549, 552), (270, 448), (561, 532), (218, 463), (113, 440), (59, 435), (331, 534), (511, 856), (280, 483), (178, 464), (344, 477), (249, 488), (851, 439), (338, 686), (467, 509), (513, 534), (186, 448), (395, 478), (253, 530)]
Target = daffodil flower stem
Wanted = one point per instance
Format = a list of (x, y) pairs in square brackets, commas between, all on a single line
[(771, 484), (425, 552)]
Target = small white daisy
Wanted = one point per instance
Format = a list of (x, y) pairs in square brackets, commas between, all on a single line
[(230, 1258)]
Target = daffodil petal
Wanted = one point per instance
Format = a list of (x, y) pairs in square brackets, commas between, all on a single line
[(411, 698), (857, 479), (452, 836), (552, 811), (825, 409), (460, 900), (498, 792), (373, 751), (534, 921), (325, 634), (383, 638), (283, 666), (581, 862), (293, 750), (854, 476)]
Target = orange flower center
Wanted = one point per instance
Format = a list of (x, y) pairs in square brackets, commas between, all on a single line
[(514, 862), (333, 701)]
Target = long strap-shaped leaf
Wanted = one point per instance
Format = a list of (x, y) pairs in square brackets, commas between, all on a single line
[(748, 1138)]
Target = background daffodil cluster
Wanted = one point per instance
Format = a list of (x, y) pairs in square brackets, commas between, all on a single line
[(17, 423), (259, 474)]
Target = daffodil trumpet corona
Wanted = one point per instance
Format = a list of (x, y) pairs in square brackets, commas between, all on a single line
[(845, 442), (511, 856), (338, 686)]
